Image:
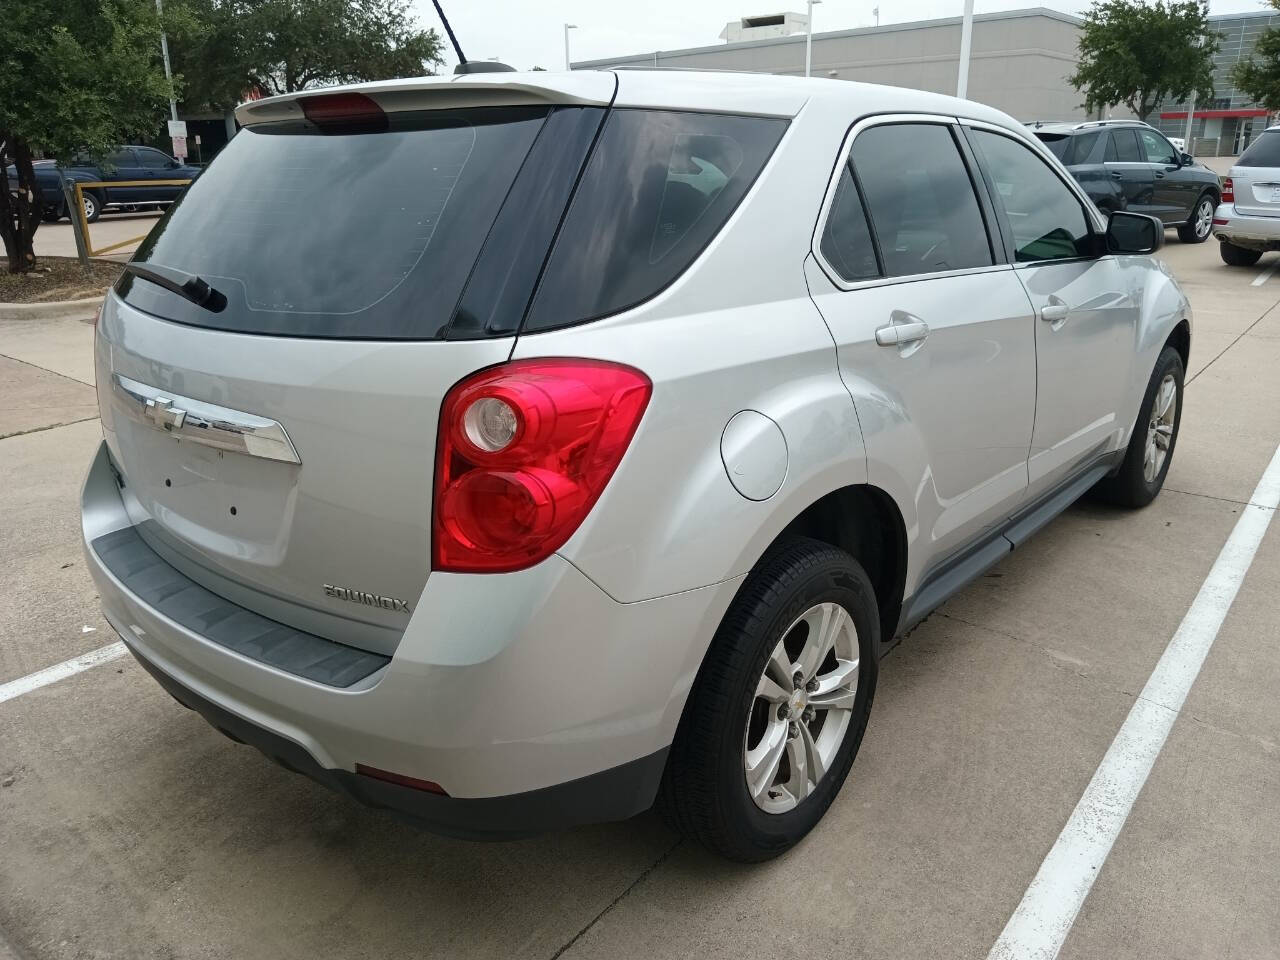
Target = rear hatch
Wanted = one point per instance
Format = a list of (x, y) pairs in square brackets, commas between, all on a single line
[(1256, 177), (280, 450)]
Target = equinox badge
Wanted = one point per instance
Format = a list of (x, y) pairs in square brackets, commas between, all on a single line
[(368, 599)]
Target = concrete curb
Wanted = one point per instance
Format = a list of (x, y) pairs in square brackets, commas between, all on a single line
[(53, 310)]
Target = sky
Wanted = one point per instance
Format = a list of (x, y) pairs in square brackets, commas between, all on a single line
[(528, 33)]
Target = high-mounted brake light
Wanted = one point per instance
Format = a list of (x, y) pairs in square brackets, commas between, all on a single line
[(348, 110), (525, 450), (1228, 191)]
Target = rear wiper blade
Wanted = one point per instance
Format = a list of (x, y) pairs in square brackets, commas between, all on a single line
[(184, 284)]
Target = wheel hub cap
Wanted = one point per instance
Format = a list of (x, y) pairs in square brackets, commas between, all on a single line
[(802, 708)]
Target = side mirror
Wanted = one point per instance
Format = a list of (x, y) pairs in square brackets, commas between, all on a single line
[(1134, 233), (1187, 159)]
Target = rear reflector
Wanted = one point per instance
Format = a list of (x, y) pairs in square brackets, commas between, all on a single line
[(353, 111), (1220, 223), (428, 786)]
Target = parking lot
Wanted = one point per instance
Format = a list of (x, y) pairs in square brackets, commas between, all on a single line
[(131, 829)]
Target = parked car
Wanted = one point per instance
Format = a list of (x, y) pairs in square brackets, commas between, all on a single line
[(592, 449), (126, 163), (1129, 165), (1247, 222)]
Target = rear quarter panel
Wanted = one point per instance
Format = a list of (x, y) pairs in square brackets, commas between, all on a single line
[(737, 331)]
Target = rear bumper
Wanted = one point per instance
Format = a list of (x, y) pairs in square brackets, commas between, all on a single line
[(1257, 233), (614, 794), (533, 699)]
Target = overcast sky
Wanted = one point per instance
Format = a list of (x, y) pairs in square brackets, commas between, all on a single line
[(527, 33)]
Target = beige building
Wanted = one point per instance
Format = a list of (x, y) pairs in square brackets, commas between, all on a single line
[(1020, 59)]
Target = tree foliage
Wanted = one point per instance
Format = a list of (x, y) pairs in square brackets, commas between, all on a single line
[(281, 46), (1260, 77), (75, 76), (1142, 53)]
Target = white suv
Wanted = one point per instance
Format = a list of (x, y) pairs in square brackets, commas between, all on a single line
[(515, 450)]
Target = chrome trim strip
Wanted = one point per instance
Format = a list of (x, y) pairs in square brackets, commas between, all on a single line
[(205, 423)]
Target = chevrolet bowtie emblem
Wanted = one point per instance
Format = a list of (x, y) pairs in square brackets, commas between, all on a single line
[(163, 413)]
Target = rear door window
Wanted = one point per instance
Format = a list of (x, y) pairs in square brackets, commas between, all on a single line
[(353, 233), (922, 203), (1263, 152), (657, 189), (1123, 147), (846, 238)]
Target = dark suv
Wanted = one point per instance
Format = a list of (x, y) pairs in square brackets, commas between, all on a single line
[(129, 163), (1129, 165)]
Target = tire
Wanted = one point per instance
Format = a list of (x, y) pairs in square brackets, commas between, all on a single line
[(1137, 481), (704, 793), (51, 214), (92, 206), (1200, 224), (1238, 256)]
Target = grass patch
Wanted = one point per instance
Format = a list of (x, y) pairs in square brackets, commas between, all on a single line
[(58, 278)]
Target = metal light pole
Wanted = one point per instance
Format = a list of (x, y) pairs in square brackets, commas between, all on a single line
[(168, 73), (966, 40), (1191, 113), (875, 12), (567, 28), (808, 39)]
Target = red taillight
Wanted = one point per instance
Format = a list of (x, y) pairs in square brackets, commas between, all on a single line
[(525, 450), (1228, 191), (344, 110)]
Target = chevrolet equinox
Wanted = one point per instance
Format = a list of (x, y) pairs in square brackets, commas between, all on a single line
[(513, 451)]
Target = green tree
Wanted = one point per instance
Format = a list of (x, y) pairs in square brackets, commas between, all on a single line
[(1260, 78), (1140, 54), (240, 47), (75, 76)]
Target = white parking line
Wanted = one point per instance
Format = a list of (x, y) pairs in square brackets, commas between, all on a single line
[(1043, 919), (1265, 275), (34, 681)]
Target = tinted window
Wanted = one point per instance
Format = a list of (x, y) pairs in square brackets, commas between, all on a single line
[(1046, 219), (1071, 149), (152, 159), (1123, 147), (384, 254), (1263, 152), (658, 187), (1059, 145), (846, 239), (922, 204), (1082, 145), (1157, 148)]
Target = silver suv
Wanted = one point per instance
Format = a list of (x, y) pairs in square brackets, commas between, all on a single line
[(514, 451)]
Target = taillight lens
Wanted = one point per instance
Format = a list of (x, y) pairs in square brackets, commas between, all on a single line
[(1228, 191), (525, 450)]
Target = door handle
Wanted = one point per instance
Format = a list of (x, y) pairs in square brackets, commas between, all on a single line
[(1159, 176), (1054, 311), (900, 333), (1117, 175)]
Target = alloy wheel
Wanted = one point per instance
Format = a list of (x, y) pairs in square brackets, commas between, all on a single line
[(1164, 409), (1204, 218), (90, 206), (802, 708)]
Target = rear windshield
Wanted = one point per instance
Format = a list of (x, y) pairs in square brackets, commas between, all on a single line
[(337, 233), (1263, 152), (658, 187)]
